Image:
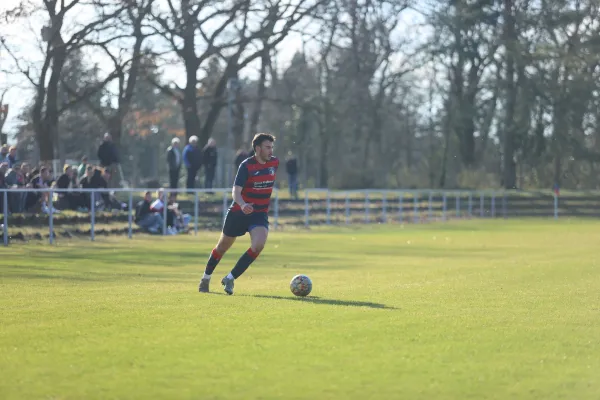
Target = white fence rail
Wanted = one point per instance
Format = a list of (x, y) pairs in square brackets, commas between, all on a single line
[(319, 206)]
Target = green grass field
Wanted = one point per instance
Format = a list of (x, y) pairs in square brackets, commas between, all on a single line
[(464, 310)]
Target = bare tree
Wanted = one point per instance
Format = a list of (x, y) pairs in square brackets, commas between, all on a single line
[(237, 28), (124, 49), (58, 41)]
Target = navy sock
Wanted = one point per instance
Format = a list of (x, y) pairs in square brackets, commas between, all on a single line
[(243, 263), (213, 260)]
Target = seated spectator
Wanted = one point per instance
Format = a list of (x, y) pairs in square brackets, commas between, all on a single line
[(181, 220), (145, 218), (39, 181), (3, 169), (158, 206), (69, 200), (110, 202), (14, 180), (81, 170), (86, 183)]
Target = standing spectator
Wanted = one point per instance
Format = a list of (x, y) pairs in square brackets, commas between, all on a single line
[(107, 153), (209, 156), (174, 162), (82, 167), (240, 156), (192, 158), (291, 166)]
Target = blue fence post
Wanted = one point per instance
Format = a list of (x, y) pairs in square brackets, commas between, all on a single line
[(493, 205), (384, 208), (347, 204), (165, 196), (276, 211), (481, 204), (367, 206), (51, 215), (416, 207), (130, 215), (328, 220), (93, 216), (444, 205), (430, 207), (458, 205), (5, 228), (306, 212), (196, 213), (470, 205), (504, 212), (555, 206), (401, 207)]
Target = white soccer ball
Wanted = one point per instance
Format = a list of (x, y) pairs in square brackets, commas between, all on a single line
[(301, 285)]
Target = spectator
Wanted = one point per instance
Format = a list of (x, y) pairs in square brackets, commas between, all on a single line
[(192, 158), (174, 163), (82, 167), (15, 179), (291, 166), (240, 156), (145, 218), (110, 202), (4, 154), (40, 181), (86, 183), (107, 153), (69, 200), (14, 176), (26, 170), (158, 206), (12, 156), (181, 220), (3, 169), (209, 156)]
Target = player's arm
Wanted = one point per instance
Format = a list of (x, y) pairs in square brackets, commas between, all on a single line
[(237, 197), (238, 186)]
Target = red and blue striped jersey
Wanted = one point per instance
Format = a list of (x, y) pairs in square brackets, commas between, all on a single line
[(257, 181)]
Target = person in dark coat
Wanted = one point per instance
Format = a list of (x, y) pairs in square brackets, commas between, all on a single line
[(107, 154), (192, 159), (209, 157), (174, 161)]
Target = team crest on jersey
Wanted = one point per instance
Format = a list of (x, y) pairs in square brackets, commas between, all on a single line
[(271, 171)]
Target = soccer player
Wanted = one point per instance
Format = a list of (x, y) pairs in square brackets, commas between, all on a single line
[(248, 212)]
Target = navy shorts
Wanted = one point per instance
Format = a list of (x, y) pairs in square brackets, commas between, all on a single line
[(237, 223)]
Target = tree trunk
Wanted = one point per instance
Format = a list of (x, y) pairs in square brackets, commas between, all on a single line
[(190, 106), (510, 177), (260, 94)]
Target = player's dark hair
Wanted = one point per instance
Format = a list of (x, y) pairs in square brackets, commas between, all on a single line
[(259, 138)]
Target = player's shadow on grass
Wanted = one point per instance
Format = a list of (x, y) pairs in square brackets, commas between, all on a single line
[(333, 302)]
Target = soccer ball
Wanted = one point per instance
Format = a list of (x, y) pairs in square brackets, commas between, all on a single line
[(301, 285)]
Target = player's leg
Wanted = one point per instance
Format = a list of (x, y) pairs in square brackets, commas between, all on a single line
[(258, 235), (235, 225), (225, 242)]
